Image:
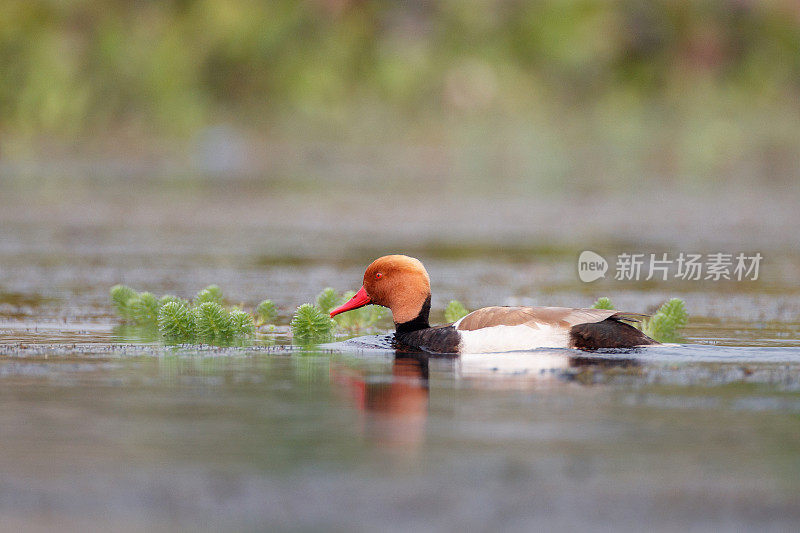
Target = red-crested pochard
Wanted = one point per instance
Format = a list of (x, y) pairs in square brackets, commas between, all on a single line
[(402, 284)]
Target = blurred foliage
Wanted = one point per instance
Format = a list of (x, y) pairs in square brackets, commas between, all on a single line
[(120, 296), (719, 73), (603, 303), (455, 310), (212, 293), (328, 298), (265, 312), (665, 324)]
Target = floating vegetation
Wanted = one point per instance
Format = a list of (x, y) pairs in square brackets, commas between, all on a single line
[(312, 322), (206, 320), (455, 310), (603, 303), (176, 320), (312, 325), (663, 326), (213, 322), (328, 299), (144, 309), (120, 295), (170, 298), (212, 293), (242, 322), (266, 312)]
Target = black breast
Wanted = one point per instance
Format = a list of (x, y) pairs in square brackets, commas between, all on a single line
[(439, 339)]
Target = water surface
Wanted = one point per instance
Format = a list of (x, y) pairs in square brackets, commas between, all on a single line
[(104, 427)]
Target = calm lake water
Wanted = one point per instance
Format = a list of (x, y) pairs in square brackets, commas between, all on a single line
[(104, 429)]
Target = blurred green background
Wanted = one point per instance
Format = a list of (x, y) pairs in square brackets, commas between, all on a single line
[(609, 92)]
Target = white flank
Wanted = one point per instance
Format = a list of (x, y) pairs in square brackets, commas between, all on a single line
[(513, 338)]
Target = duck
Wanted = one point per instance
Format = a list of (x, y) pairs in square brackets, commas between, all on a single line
[(402, 284)]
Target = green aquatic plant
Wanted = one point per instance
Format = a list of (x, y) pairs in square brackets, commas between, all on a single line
[(213, 322), (455, 310), (663, 326), (176, 322), (212, 293), (120, 296), (328, 299), (266, 312), (171, 298), (144, 309), (603, 303), (241, 322), (311, 325)]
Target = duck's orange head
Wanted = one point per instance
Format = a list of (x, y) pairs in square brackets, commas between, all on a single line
[(398, 282)]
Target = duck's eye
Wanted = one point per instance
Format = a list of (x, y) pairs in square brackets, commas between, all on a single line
[(378, 275)]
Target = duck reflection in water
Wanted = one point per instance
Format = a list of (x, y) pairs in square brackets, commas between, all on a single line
[(394, 408)]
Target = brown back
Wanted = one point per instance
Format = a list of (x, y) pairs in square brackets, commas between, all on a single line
[(535, 317)]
